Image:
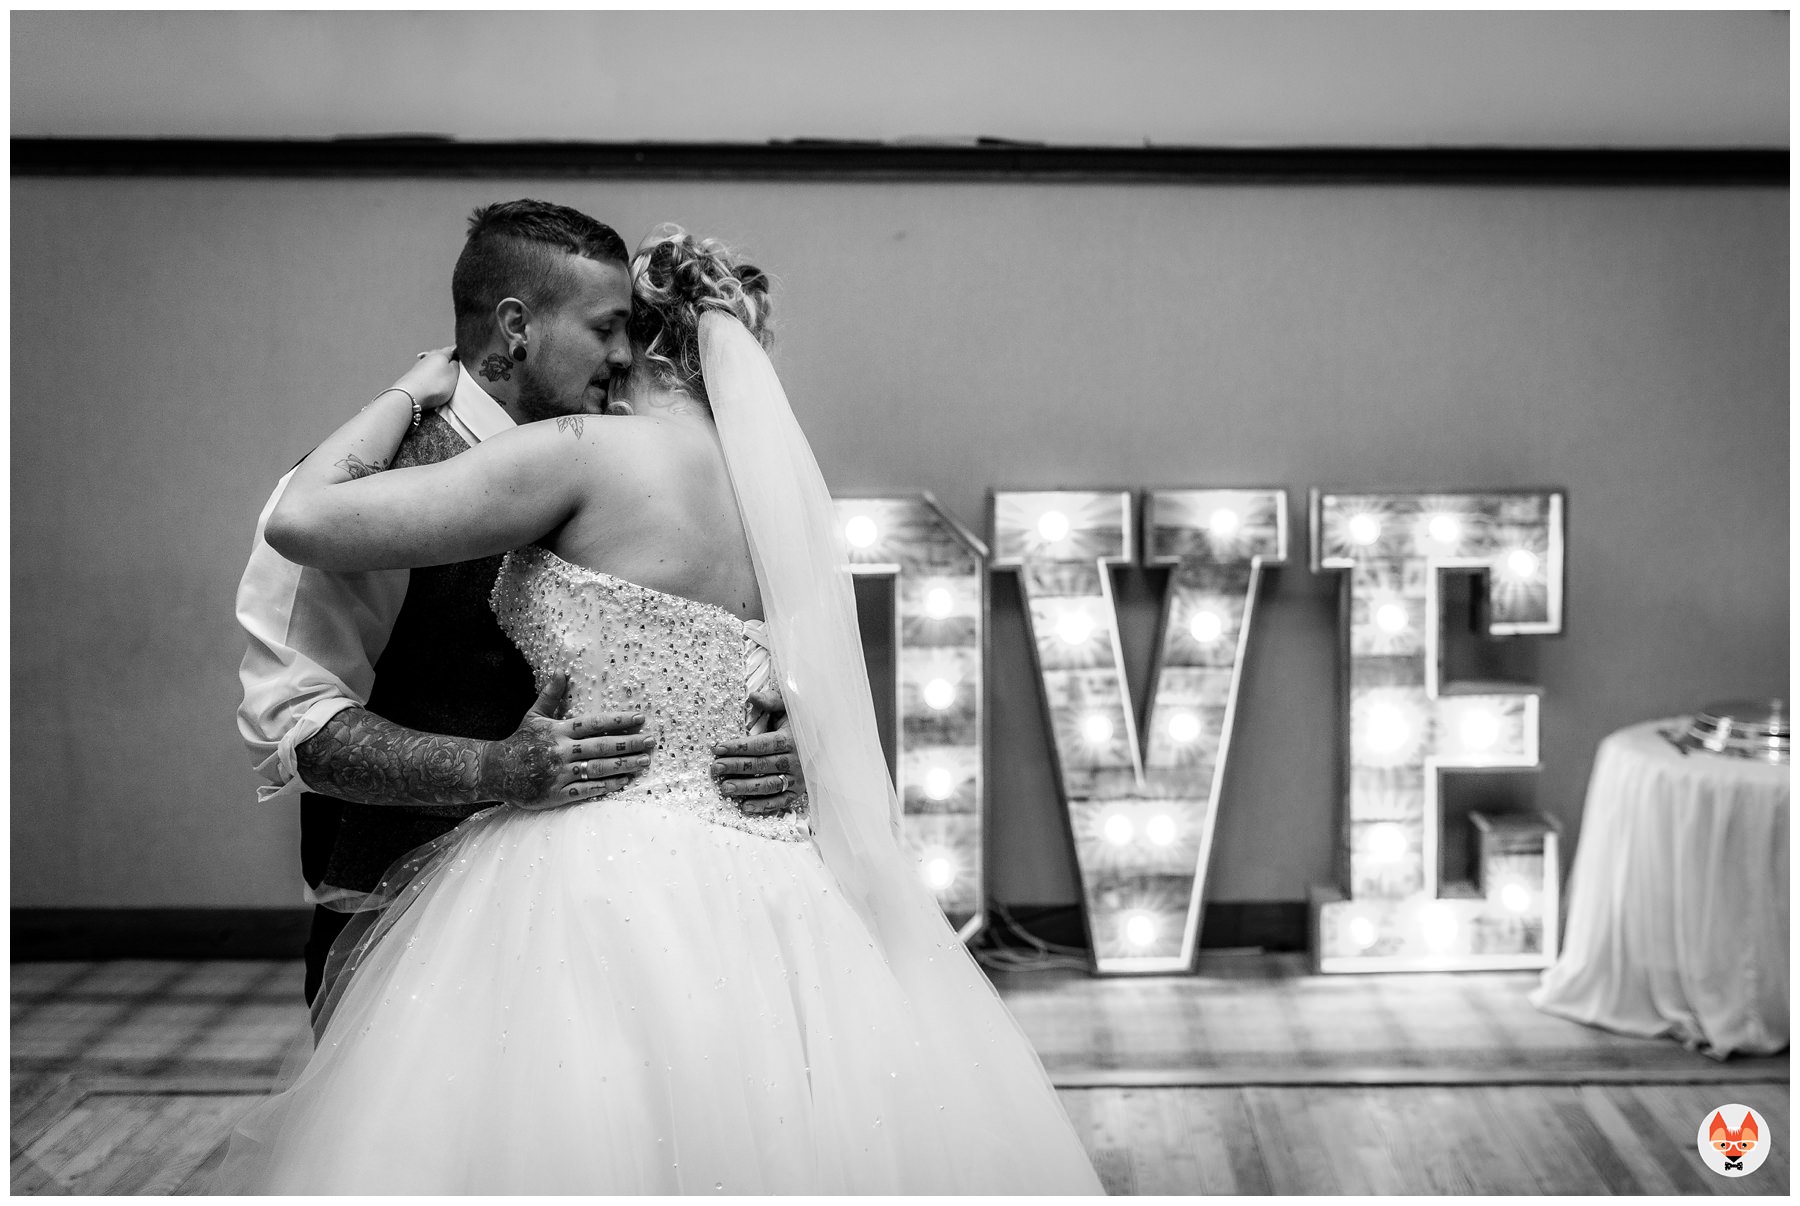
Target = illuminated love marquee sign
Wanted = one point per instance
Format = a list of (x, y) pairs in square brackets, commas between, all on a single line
[(1142, 802)]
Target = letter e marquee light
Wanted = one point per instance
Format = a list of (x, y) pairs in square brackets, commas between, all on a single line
[(940, 609), (1141, 814), (1405, 728)]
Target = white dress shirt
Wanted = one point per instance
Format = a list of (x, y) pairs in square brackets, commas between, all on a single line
[(316, 635)]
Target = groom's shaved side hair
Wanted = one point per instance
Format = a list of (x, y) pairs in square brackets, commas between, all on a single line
[(518, 249)]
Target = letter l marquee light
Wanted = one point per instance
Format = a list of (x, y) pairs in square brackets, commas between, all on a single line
[(1142, 818)]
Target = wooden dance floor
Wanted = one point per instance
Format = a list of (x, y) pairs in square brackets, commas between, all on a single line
[(1252, 1077)]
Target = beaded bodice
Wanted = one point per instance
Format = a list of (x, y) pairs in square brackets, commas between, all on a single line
[(625, 647)]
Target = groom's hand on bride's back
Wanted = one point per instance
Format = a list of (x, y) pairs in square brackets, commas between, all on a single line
[(550, 763)]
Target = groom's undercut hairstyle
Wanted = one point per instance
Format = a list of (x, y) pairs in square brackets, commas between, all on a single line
[(520, 249)]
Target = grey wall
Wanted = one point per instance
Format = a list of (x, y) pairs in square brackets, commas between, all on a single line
[(1307, 78), (177, 344)]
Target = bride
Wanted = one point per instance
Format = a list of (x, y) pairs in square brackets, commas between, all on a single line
[(653, 993)]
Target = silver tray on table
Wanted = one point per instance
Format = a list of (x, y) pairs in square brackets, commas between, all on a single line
[(1738, 728)]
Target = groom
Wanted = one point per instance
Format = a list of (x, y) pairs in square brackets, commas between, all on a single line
[(387, 701)]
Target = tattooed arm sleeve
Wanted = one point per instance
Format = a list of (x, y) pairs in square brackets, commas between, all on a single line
[(360, 757)]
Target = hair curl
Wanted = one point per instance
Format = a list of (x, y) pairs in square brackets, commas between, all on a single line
[(675, 278)]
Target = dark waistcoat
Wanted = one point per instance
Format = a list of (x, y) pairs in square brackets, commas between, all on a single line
[(447, 669)]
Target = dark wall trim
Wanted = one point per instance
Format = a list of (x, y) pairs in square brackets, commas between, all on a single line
[(43, 935), (879, 161), (1272, 925)]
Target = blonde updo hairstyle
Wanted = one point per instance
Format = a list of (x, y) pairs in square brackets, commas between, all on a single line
[(675, 278)]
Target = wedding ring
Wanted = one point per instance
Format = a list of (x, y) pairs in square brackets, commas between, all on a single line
[(786, 783), (584, 770)]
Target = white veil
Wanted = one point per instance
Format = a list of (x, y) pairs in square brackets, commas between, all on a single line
[(802, 567)]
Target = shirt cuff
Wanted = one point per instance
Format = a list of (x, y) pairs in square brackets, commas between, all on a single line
[(310, 722)]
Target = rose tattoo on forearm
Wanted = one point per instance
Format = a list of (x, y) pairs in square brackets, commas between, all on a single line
[(359, 756)]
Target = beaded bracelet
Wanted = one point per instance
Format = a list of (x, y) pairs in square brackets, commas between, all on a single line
[(418, 411)]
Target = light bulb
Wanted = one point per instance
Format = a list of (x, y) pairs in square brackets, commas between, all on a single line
[(1515, 897), (939, 602), (1160, 829), (1387, 842), (1364, 529), (1053, 526), (1206, 627), (861, 531), (940, 784), (1480, 729), (1445, 529), (1140, 929), (1223, 523), (1388, 732), (1391, 618), (1074, 627), (1362, 933), (1118, 829), (1522, 563), (1097, 728), (1184, 728), (939, 874), (939, 693)]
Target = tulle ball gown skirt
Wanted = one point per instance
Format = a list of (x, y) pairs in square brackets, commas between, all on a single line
[(627, 998)]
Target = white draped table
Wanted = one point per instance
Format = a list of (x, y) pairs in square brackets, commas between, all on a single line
[(1678, 901)]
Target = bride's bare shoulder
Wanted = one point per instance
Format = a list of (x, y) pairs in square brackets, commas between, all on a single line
[(627, 433), (627, 448)]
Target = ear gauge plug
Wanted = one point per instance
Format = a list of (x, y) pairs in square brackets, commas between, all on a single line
[(518, 353)]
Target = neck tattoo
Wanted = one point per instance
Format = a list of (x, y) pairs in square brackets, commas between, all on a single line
[(496, 367)]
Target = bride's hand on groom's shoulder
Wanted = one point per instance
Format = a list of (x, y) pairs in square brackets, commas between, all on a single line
[(431, 381), (550, 762)]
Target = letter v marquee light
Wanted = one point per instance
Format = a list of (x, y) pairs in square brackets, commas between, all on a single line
[(940, 606), (1406, 727), (1142, 818)]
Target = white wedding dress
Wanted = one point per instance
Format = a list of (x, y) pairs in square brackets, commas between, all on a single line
[(651, 993)]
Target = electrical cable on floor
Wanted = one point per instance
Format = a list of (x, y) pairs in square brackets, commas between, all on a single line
[(997, 954)]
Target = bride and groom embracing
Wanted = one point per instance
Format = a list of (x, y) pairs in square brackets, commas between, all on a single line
[(724, 976)]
